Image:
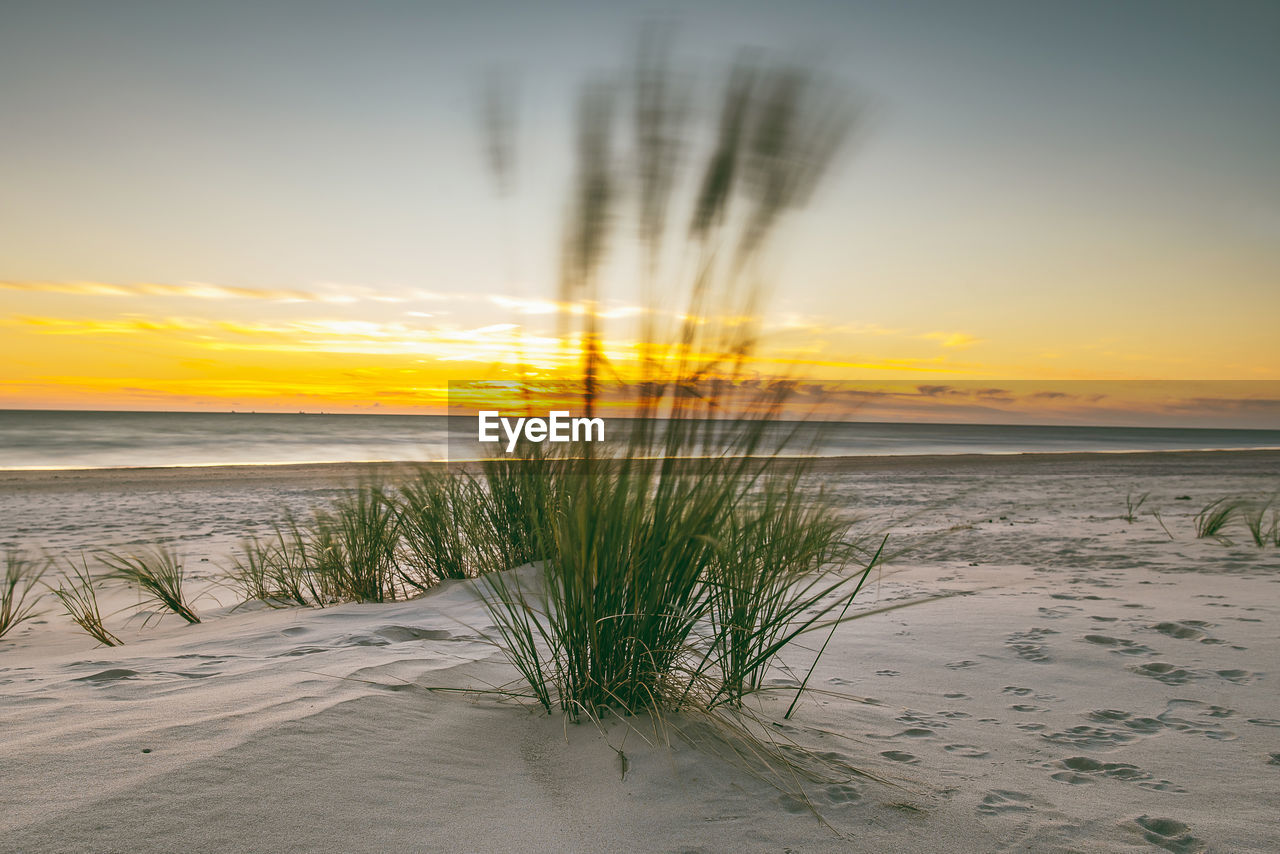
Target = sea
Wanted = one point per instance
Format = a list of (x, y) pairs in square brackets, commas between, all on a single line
[(43, 439)]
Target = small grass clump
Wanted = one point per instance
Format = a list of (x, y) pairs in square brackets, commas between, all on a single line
[(277, 571), (157, 574), (1132, 505), (1254, 517), (16, 602), (1211, 521), (79, 596)]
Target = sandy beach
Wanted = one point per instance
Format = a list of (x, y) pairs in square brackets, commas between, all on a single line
[(1100, 685)]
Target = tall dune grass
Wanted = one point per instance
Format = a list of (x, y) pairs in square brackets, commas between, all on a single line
[(353, 546), (17, 605), (157, 574), (670, 583), (673, 584), (450, 528)]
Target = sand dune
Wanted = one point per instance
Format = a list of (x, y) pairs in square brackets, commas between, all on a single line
[(1100, 687)]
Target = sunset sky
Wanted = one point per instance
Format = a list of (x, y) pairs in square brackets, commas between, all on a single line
[(285, 205)]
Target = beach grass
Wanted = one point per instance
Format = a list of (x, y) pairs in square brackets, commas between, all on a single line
[(673, 583), (1212, 520), (276, 571), (17, 602), (352, 547), (1254, 518), (767, 585), (444, 529), (1132, 505), (157, 573), (78, 595), (675, 572)]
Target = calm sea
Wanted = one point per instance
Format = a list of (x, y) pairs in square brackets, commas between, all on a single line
[(47, 439)]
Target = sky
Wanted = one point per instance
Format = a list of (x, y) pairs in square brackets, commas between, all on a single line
[(284, 206)]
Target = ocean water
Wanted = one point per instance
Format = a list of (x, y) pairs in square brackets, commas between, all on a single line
[(69, 439)]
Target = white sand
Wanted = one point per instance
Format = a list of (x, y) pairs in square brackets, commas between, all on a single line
[(1103, 688)]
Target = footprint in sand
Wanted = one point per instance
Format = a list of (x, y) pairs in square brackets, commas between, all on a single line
[(1184, 630), (1027, 646), (1083, 769), (1119, 645), (841, 793), (1170, 834), (1001, 801), (1143, 726), (1240, 677), (910, 732), (910, 759), (1169, 674), (1196, 718), (911, 716), (968, 751), (1096, 738)]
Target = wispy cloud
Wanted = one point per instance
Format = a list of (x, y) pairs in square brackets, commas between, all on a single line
[(185, 290), (952, 340)]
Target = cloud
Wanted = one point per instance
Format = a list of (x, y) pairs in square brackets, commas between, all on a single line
[(953, 340), (523, 305), (123, 326), (185, 290)]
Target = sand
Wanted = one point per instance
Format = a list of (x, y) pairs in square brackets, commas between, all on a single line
[(1100, 686)]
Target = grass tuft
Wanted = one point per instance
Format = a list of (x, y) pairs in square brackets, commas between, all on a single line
[(352, 547), (79, 596), (443, 529), (157, 574), (20, 578), (1211, 521), (1132, 505), (1254, 517)]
